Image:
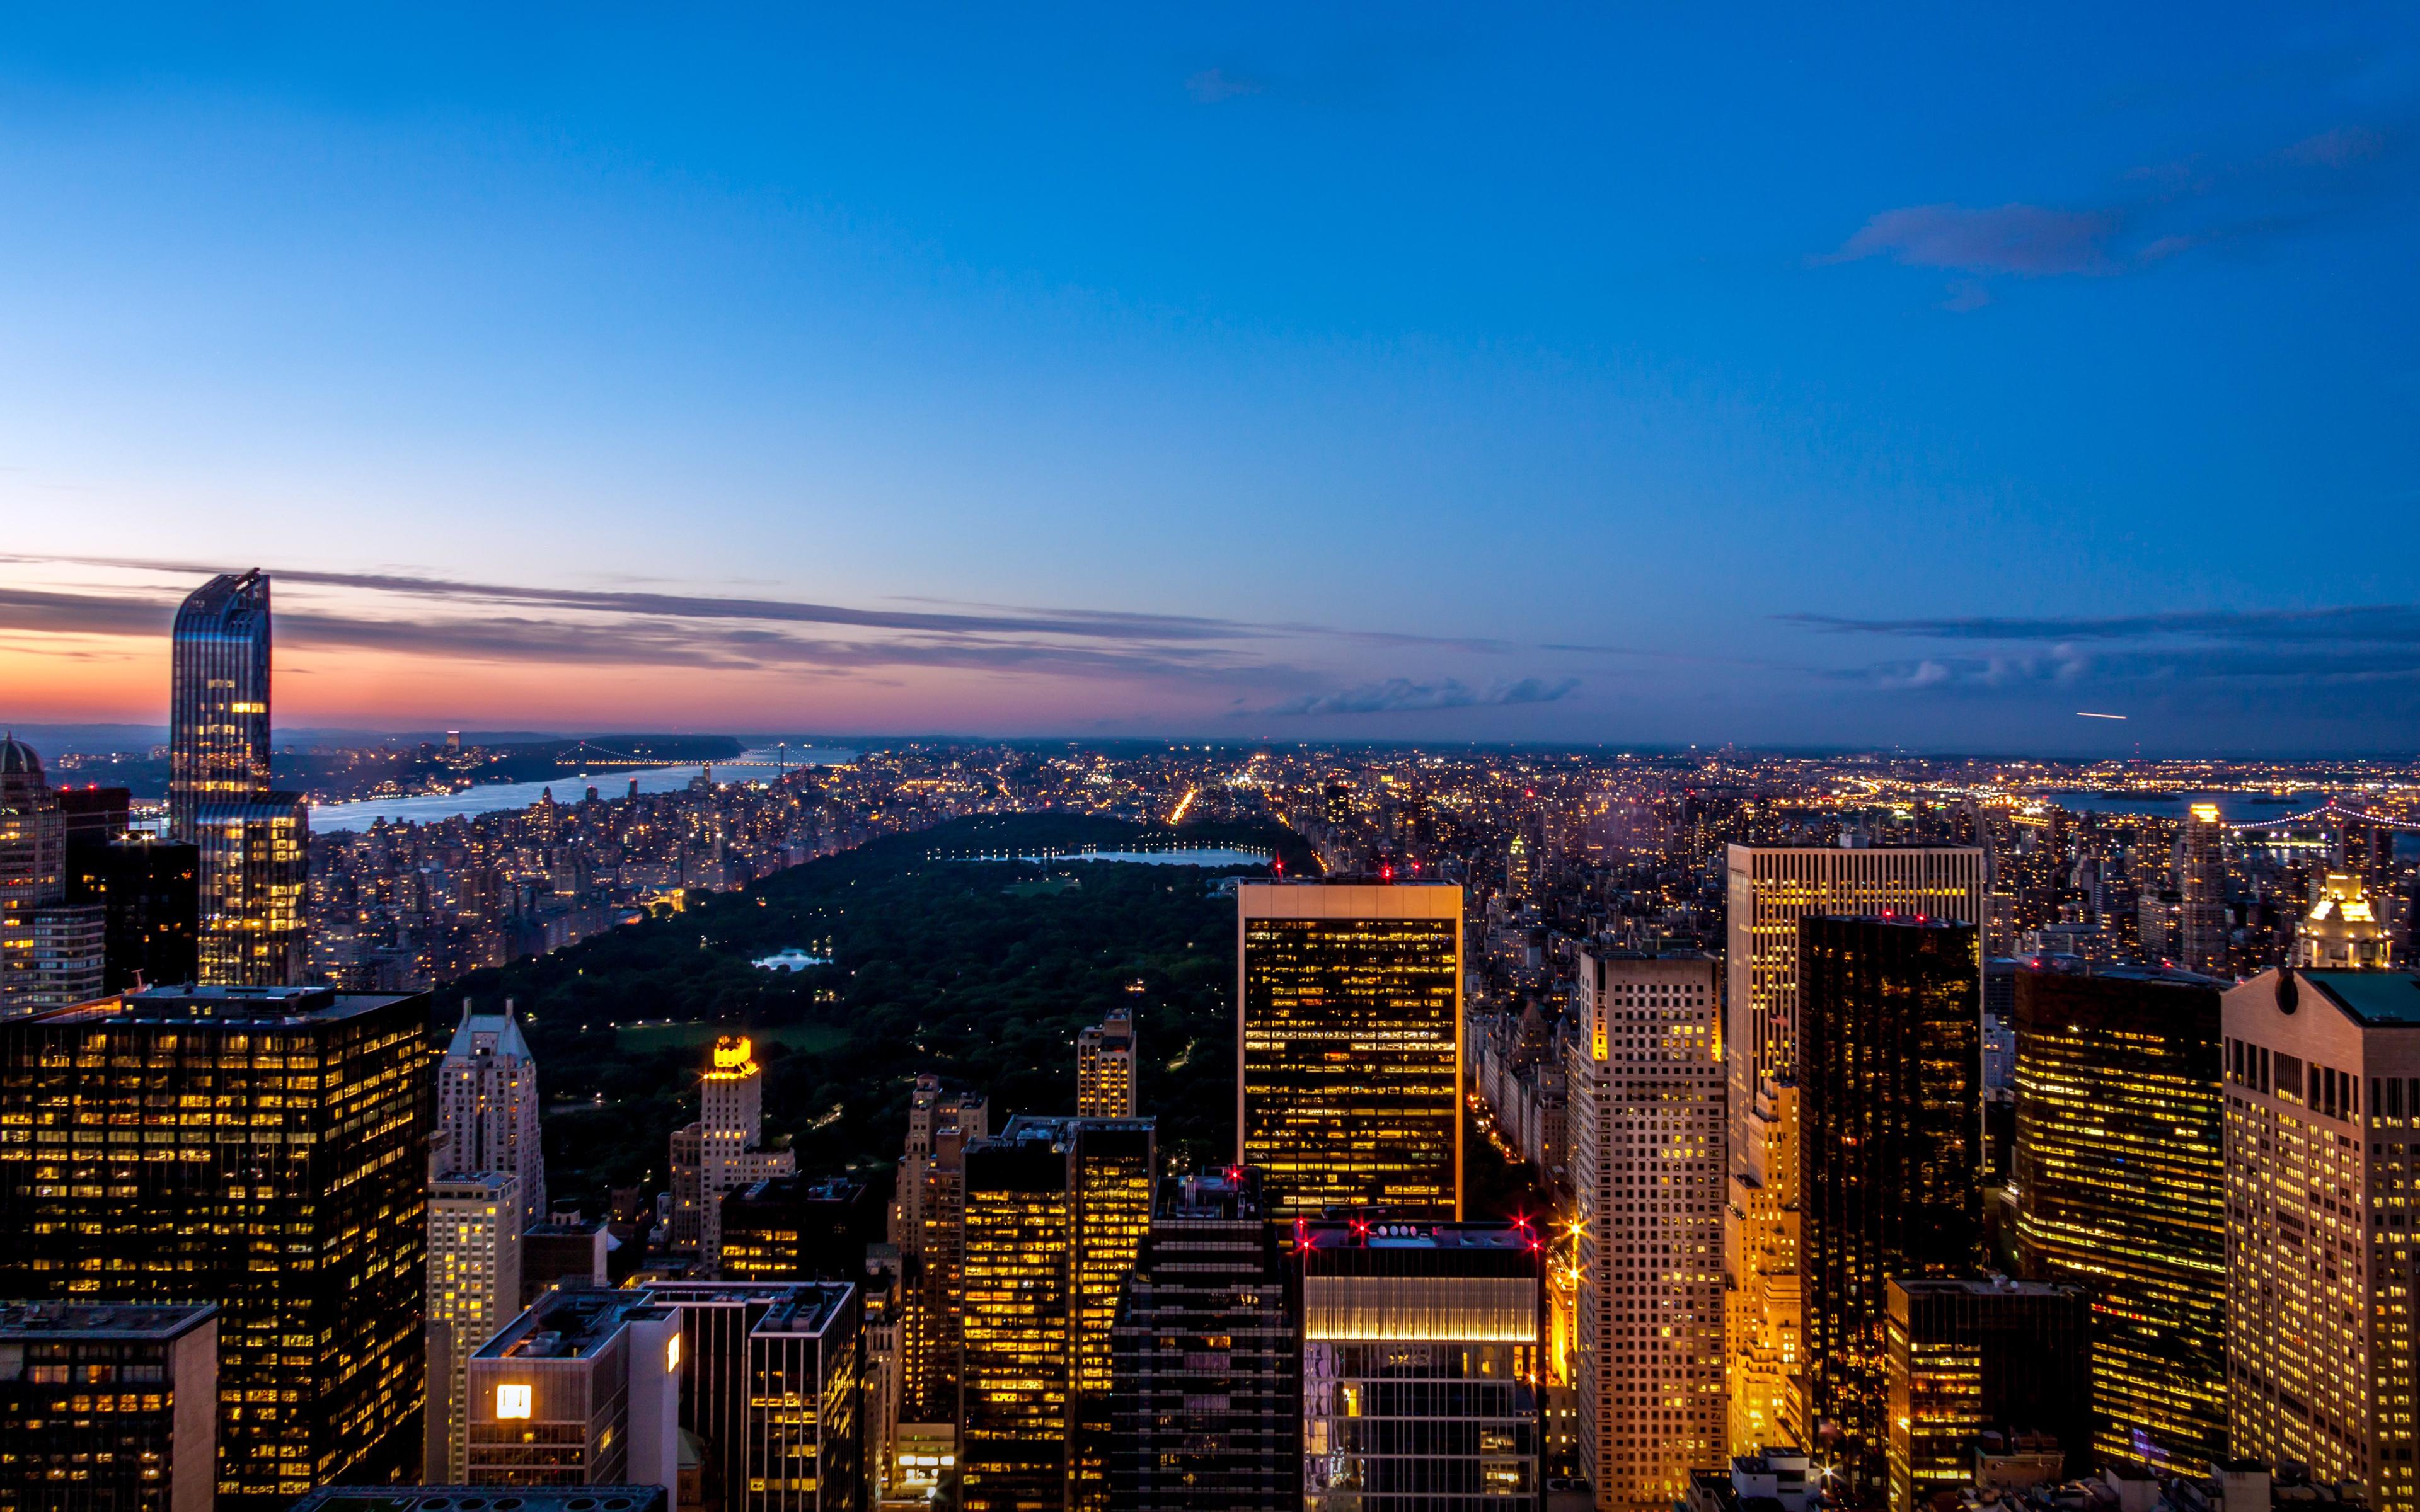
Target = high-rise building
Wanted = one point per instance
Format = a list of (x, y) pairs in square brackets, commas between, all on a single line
[(1056, 1212), (2322, 1141), (149, 893), (570, 1498), (2201, 882), (295, 1199), (725, 1148), (108, 1407), (1890, 1079), (255, 840), (1349, 1049), (929, 1228), (1770, 888), (582, 1389), (2117, 1173), (2342, 930), (806, 1393), (1105, 1068), (488, 1108), (565, 1252), (1650, 1172), (791, 1229), (1207, 1372), (1423, 1347), (52, 950), (475, 1289), (1974, 1356)]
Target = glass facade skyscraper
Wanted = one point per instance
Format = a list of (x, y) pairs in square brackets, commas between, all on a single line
[(2118, 1171), (1890, 1076), (1349, 1055)]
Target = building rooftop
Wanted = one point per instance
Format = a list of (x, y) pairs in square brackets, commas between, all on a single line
[(571, 1324), (2371, 997), (226, 1005), (1378, 1231), (483, 1499), (26, 1321), (1998, 1285), (807, 1308)]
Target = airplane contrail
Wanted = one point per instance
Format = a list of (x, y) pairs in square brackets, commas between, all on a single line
[(2088, 714)]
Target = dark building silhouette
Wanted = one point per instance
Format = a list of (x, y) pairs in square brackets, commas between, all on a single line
[(150, 892), (791, 1229), (265, 1149), (1890, 1087), (1207, 1370), (1968, 1357), (2120, 1162)]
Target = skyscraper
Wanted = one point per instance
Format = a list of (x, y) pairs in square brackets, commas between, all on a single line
[(1965, 1357), (51, 951), (1349, 1050), (930, 1231), (1206, 1371), (1769, 889), (1424, 1344), (1649, 1168), (1105, 1068), (475, 1289), (2118, 1174), (2342, 930), (295, 1199), (723, 1149), (149, 893), (109, 1407), (253, 840), (2323, 1106), (582, 1389), (1056, 1212), (2201, 879), (488, 1108), (1890, 1076)]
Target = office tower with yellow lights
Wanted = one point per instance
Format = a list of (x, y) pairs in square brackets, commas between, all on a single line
[(581, 1389), (1768, 891), (488, 1108), (1968, 1357), (723, 1149), (261, 1147), (1890, 1081), (2323, 1227), (1206, 1371), (1650, 1174), (1105, 1068), (255, 840), (2118, 1174), (2342, 932), (1422, 1364), (2201, 882), (475, 1289), (53, 953), (1056, 1213), (727, 1330), (110, 1408), (928, 1226), (1349, 1049)]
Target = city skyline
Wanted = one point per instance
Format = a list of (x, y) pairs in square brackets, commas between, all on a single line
[(1272, 377)]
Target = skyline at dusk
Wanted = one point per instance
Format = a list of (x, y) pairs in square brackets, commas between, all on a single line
[(1555, 378)]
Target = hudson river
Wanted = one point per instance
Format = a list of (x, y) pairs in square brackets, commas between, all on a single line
[(568, 788)]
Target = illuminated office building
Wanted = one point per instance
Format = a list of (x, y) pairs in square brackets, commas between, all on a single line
[(2322, 1142), (108, 1407), (1349, 1050), (1971, 1357), (1105, 1069), (2201, 882), (53, 951), (722, 1149), (1769, 889), (581, 1389), (1423, 1349), (790, 1228), (1648, 1168), (253, 840), (488, 1108), (1206, 1371), (2118, 1178), (928, 1226), (475, 1289), (1890, 1076), (264, 1149), (2342, 932), (1056, 1212), (806, 1393)]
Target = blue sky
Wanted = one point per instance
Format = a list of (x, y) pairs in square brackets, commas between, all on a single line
[(1876, 376)]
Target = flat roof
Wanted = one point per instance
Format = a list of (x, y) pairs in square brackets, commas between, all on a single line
[(2371, 997), (1381, 1232), (204, 1006), (102, 1320), (485, 1498), (570, 1324)]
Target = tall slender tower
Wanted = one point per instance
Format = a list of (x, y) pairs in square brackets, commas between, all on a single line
[(1105, 1068), (2201, 880), (488, 1108), (474, 1289), (1349, 1055), (255, 840), (1646, 1082), (723, 1148)]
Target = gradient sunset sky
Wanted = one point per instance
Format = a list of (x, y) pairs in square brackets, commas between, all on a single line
[(1781, 376)]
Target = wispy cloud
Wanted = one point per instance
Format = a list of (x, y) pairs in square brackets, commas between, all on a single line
[(2031, 241), (2352, 622), (1400, 695), (1213, 87)]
